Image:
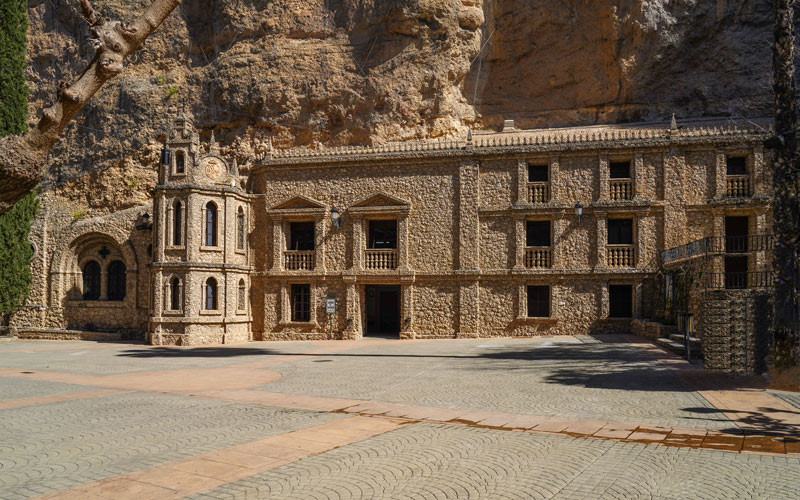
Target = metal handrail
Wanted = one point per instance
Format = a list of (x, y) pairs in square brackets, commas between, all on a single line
[(719, 244)]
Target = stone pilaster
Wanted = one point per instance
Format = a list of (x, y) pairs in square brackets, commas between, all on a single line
[(719, 175), (407, 328), (519, 242), (603, 176), (555, 165), (638, 176), (468, 203), (468, 310)]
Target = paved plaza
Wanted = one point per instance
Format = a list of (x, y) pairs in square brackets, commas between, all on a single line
[(554, 418)]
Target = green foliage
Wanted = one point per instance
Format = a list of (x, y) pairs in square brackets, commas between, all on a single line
[(170, 91), (16, 253), (134, 183), (13, 91), (76, 216)]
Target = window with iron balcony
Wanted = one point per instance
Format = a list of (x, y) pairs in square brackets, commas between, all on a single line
[(300, 252), (538, 183), (620, 183), (538, 250), (738, 183)]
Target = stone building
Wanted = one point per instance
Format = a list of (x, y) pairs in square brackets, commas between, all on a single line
[(513, 233)]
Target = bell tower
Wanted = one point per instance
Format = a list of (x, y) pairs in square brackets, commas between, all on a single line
[(201, 257)]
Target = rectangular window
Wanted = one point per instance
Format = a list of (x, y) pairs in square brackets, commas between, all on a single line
[(619, 170), (538, 173), (620, 231), (301, 303), (301, 236), (538, 301), (620, 301), (736, 165), (382, 234), (537, 233)]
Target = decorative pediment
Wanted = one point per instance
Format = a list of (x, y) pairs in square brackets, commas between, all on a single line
[(299, 202), (381, 203), (380, 200)]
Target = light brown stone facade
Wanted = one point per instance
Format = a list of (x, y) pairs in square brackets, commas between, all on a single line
[(435, 239)]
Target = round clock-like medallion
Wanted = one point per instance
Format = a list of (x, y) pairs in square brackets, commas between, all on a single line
[(213, 168)]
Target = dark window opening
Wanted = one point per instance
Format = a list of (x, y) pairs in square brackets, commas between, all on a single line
[(537, 233), (301, 303), (301, 236), (619, 170), (240, 229), (91, 280), (175, 294), (211, 294), (240, 302), (116, 280), (736, 165), (538, 301), (620, 231), (736, 271), (180, 163), (620, 298), (382, 234), (538, 173), (177, 224), (211, 224), (736, 234)]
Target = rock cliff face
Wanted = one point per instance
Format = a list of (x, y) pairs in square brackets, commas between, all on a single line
[(339, 72)]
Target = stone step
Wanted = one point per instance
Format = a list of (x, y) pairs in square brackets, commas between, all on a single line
[(697, 344), (678, 347)]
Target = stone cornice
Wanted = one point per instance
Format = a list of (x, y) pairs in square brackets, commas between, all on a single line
[(524, 142)]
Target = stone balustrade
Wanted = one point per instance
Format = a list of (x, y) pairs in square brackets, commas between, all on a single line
[(538, 257), (738, 186), (621, 255), (381, 259), (299, 260), (620, 189), (538, 192)]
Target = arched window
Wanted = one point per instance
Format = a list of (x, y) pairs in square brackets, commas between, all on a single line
[(116, 280), (241, 303), (211, 224), (177, 224), (175, 294), (240, 229), (211, 294), (180, 162), (91, 280)]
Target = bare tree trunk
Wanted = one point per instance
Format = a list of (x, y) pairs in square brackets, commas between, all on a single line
[(23, 158)]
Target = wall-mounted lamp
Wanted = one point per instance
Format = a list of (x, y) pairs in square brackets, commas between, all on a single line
[(336, 218), (579, 211)]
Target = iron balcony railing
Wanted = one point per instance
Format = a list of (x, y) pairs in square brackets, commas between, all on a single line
[(719, 245), (740, 280)]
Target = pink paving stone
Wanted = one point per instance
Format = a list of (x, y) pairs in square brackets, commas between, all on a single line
[(646, 436), (496, 420), (554, 425), (473, 416), (443, 414), (585, 427), (612, 433)]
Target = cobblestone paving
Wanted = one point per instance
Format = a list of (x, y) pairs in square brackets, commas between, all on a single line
[(611, 381), (445, 461), (52, 447), (13, 388), (134, 358), (793, 398)]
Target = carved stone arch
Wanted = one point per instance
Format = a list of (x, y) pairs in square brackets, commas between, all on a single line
[(72, 243)]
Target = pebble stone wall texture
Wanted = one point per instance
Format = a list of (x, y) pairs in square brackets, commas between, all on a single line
[(461, 208)]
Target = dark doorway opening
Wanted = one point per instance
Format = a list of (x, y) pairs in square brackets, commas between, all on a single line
[(620, 301), (383, 310)]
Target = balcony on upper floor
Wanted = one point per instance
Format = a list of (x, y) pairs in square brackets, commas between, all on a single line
[(299, 260), (621, 255)]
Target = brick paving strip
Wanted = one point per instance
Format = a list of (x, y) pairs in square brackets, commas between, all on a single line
[(207, 471), (599, 429)]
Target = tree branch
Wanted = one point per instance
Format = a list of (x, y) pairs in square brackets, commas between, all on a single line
[(113, 41)]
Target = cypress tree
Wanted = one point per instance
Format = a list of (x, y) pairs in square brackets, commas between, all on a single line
[(13, 91), (15, 225)]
